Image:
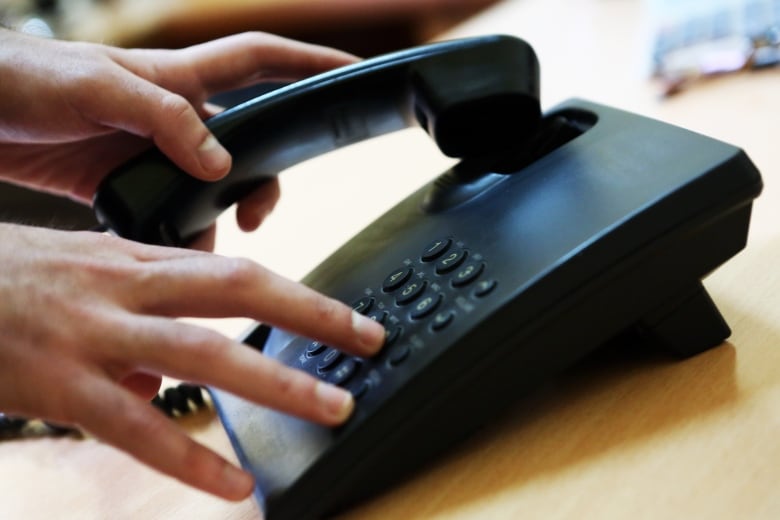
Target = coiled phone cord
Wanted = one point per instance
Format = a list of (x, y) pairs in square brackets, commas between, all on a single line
[(176, 401)]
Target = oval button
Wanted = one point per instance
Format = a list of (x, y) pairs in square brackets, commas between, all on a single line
[(435, 249), (363, 305), (410, 292), (450, 261), (467, 274), (425, 306), (396, 279)]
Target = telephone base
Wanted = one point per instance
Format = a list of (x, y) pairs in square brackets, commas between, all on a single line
[(491, 293)]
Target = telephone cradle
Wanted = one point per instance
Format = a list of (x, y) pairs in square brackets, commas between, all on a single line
[(555, 233)]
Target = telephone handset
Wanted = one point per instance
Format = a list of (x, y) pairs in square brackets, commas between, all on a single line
[(447, 88), (579, 226)]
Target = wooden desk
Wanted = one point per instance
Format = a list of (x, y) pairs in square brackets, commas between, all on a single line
[(622, 437)]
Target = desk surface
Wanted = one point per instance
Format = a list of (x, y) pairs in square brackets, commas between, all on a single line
[(618, 438)]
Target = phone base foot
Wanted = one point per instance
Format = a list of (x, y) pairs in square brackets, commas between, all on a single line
[(687, 325)]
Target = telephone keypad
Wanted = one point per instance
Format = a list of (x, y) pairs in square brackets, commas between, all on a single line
[(421, 298)]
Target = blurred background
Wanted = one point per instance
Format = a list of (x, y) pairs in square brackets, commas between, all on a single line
[(364, 27)]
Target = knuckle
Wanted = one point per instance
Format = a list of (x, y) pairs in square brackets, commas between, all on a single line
[(139, 420), (174, 106), (289, 383), (207, 345), (252, 39), (196, 460), (238, 273), (293, 389), (63, 408), (284, 382), (326, 310), (88, 77)]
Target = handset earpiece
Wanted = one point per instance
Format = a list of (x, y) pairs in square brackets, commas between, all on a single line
[(473, 96)]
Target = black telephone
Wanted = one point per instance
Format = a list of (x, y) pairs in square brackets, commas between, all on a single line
[(555, 233)]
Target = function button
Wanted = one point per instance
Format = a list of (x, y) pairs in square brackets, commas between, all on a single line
[(344, 372), (330, 360), (435, 249), (467, 274), (378, 316), (363, 305), (398, 355), (397, 278), (484, 287), (450, 261), (410, 292), (425, 306), (315, 348), (442, 319)]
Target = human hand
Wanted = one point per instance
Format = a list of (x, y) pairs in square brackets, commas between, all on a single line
[(71, 111), (87, 327)]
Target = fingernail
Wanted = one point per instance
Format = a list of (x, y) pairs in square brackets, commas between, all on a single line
[(213, 157), (370, 333), (236, 483), (337, 402)]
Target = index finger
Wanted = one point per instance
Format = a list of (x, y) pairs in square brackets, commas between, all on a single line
[(231, 62), (212, 286)]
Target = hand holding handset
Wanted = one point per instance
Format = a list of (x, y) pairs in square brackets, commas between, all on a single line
[(471, 96)]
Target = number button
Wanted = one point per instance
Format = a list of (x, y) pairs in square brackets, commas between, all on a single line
[(410, 292), (315, 348), (379, 316), (396, 279), (435, 249), (467, 274), (426, 306), (329, 360), (450, 261), (363, 305)]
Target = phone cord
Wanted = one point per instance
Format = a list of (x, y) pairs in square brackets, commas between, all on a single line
[(177, 401)]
